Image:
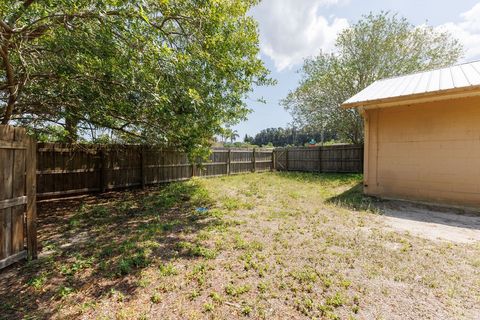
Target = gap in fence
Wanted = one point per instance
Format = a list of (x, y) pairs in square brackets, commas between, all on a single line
[(64, 170)]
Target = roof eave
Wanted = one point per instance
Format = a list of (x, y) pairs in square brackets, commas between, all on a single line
[(454, 93)]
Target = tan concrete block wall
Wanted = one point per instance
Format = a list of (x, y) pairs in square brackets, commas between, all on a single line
[(427, 151)]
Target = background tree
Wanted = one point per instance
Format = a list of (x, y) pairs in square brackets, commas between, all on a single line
[(281, 137), (164, 72), (233, 136), (378, 46), (248, 139)]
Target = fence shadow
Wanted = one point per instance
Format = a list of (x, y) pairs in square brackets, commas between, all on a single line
[(101, 244), (321, 178)]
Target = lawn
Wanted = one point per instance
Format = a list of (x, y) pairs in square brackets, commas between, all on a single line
[(272, 245)]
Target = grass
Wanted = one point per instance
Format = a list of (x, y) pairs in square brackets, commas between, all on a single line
[(273, 245)]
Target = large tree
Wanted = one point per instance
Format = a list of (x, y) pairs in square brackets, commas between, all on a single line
[(378, 46), (170, 72)]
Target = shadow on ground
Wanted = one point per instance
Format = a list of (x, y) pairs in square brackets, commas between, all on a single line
[(354, 198), (100, 244), (322, 178), (434, 214)]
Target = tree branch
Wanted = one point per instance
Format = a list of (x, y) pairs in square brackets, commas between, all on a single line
[(63, 17), (5, 26)]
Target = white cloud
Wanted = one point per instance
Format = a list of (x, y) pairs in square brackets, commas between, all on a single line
[(467, 31), (291, 30)]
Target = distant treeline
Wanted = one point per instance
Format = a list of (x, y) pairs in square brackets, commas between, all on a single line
[(280, 137)]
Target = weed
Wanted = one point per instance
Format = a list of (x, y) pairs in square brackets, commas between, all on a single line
[(78, 264), (246, 310), (337, 300), (406, 246), (89, 305), (131, 262), (304, 305), (199, 273), (197, 250), (216, 297), (143, 282), (64, 291), (99, 212), (194, 294), (326, 280), (156, 298), (38, 282), (262, 287), (345, 283), (208, 307), (74, 223), (305, 275), (236, 291), (168, 270), (230, 203)]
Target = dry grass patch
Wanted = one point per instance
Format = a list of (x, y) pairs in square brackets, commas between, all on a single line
[(274, 245)]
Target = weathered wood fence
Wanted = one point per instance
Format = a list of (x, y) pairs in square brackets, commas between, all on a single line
[(18, 220), (66, 170), (338, 158)]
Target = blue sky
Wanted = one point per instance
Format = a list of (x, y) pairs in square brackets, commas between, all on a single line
[(291, 30)]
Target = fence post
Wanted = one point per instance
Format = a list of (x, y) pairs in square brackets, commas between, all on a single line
[(193, 168), (31, 192), (319, 159), (103, 169), (287, 167), (229, 157), (254, 161), (273, 166), (143, 166)]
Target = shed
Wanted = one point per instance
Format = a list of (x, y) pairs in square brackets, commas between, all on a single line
[(422, 135)]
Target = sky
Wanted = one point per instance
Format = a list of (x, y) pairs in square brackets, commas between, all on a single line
[(292, 30)]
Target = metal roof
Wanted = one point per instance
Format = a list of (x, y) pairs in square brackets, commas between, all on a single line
[(455, 79)]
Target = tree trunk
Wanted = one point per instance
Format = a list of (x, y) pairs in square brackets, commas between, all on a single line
[(71, 125)]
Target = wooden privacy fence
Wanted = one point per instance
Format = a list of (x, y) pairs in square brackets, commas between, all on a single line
[(341, 159), (64, 169), (18, 238)]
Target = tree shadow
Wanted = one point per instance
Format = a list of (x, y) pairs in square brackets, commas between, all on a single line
[(97, 245)]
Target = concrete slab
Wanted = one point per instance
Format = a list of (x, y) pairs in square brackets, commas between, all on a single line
[(434, 223)]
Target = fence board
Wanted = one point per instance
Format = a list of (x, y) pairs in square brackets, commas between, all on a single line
[(18, 190)]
